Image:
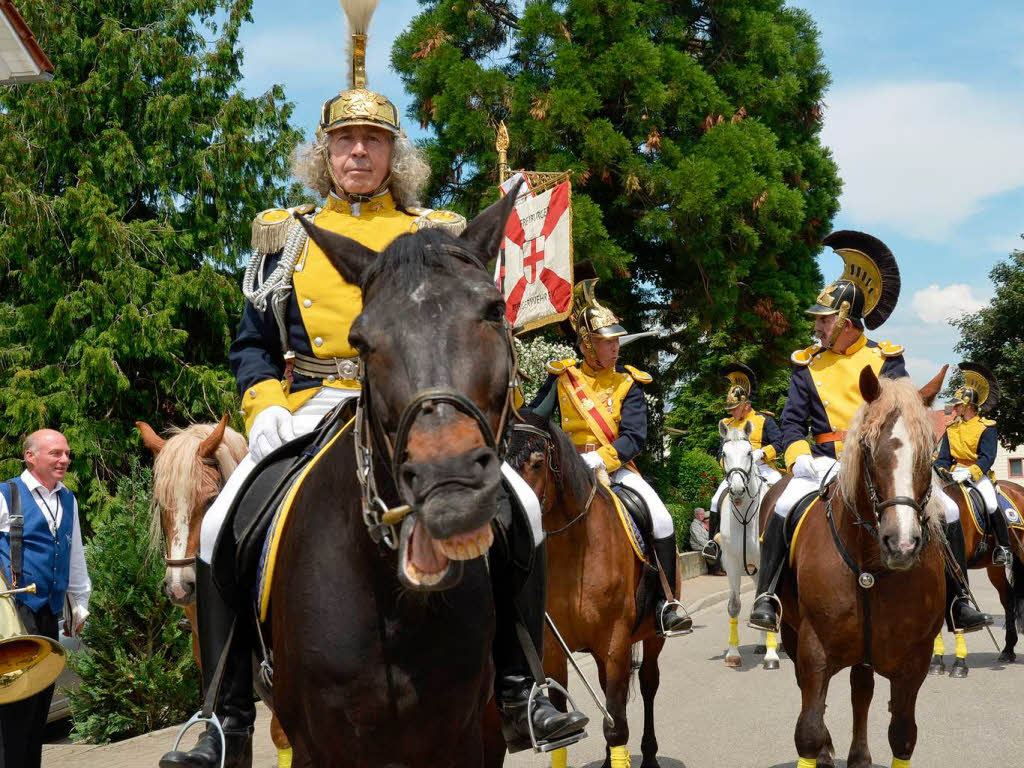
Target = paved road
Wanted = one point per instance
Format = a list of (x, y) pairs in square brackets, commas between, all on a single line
[(713, 717)]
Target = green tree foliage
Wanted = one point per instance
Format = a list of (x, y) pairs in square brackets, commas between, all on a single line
[(994, 336), (127, 188), (137, 674), (687, 481), (700, 190)]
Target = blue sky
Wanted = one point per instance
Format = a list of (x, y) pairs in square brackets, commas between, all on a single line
[(925, 117)]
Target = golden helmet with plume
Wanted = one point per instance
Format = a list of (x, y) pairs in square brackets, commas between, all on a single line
[(742, 383), (591, 318), (980, 388)]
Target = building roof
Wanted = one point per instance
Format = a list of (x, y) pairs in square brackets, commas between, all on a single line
[(21, 58)]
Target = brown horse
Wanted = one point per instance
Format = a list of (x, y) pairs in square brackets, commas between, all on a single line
[(866, 588), (979, 549), (190, 467), (599, 595)]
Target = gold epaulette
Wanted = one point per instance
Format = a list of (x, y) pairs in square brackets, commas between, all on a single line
[(888, 349), (641, 377), (447, 220), (558, 366), (767, 413), (804, 356), (986, 422), (270, 227)]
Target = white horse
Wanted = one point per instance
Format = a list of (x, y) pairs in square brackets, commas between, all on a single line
[(741, 550)]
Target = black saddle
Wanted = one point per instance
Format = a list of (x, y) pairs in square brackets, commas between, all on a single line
[(797, 513), (637, 509), (236, 554)]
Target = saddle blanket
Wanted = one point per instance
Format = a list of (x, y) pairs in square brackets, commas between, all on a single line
[(796, 520), (632, 530), (980, 518), (268, 557)]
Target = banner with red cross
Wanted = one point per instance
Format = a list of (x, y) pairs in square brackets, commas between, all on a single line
[(535, 274)]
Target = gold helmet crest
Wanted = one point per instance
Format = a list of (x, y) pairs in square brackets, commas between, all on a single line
[(358, 105), (590, 317), (980, 388), (742, 383)]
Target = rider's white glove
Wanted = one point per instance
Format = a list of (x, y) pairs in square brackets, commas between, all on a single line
[(961, 474), (271, 429), (78, 616), (804, 467), (593, 459), (757, 455)]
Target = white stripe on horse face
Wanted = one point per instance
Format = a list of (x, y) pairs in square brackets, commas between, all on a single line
[(903, 485)]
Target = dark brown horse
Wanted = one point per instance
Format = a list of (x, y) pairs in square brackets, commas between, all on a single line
[(866, 588), (599, 595), (374, 664), (979, 549)]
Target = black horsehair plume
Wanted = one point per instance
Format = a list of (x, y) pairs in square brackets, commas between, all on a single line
[(879, 253)]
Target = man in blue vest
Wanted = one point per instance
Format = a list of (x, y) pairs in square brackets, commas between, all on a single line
[(53, 559)]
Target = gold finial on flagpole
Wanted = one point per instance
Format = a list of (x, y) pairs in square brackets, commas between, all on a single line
[(501, 144)]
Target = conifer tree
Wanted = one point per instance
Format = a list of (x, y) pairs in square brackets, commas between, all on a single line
[(127, 188), (700, 190)]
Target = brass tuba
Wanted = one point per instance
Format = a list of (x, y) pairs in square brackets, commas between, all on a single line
[(28, 663)]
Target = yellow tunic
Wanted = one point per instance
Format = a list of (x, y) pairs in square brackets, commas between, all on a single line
[(756, 433)]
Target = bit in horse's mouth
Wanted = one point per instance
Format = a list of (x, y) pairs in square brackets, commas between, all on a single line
[(427, 559)]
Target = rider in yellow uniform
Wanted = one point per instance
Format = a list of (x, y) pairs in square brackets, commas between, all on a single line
[(293, 363), (601, 406), (968, 448), (824, 394)]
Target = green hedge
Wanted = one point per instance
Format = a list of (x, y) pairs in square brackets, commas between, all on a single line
[(689, 481)]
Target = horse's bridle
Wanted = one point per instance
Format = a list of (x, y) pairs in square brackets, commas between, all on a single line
[(745, 517), (184, 562), (381, 520), (878, 507)]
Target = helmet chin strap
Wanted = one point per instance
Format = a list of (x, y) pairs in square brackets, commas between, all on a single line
[(841, 318)]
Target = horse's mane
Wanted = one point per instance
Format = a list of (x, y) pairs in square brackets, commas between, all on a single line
[(410, 257), (896, 395), (577, 479), (179, 483)]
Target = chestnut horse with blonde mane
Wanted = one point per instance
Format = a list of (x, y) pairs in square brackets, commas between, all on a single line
[(190, 467), (979, 547), (866, 588), (599, 595)]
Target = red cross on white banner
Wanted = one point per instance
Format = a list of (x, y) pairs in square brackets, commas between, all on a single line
[(536, 271)]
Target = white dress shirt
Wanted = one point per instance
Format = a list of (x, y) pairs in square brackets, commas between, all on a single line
[(79, 585)]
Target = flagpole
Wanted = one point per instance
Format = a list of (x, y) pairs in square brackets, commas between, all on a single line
[(501, 144)]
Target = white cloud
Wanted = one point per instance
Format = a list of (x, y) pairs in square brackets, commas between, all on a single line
[(922, 157), (921, 370), (938, 304), (1005, 245)]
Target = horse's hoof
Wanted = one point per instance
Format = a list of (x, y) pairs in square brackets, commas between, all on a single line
[(733, 661), (937, 667), (650, 762), (959, 669), (760, 650), (1007, 657), (770, 664)]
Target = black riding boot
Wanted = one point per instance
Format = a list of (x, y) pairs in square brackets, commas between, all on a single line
[(960, 614), (514, 680), (1001, 554), (235, 708), (765, 613), (667, 618)]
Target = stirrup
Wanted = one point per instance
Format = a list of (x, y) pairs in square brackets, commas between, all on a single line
[(778, 614), (199, 717), (1003, 554), (565, 741), (710, 552), (965, 630), (671, 604)]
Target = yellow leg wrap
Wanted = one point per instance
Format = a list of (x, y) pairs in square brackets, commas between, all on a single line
[(961, 646), (806, 762), (897, 763), (284, 758), (560, 758), (770, 641), (619, 757), (939, 649), (734, 633)]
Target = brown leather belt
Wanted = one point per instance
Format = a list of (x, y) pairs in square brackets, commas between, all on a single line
[(830, 437)]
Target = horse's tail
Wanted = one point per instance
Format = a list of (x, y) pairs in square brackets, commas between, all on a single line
[(1017, 591)]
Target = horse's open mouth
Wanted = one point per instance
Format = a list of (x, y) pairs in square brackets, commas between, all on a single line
[(425, 560)]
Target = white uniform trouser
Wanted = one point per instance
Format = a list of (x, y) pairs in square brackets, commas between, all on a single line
[(304, 420), (800, 486), (661, 520), (769, 474), (988, 494)]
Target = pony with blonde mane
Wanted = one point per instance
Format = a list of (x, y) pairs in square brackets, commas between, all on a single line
[(865, 588), (190, 467)]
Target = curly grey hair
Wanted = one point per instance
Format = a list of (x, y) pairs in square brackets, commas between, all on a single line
[(409, 169)]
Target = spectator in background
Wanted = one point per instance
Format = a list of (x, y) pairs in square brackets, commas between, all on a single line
[(52, 557), (698, 530)]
